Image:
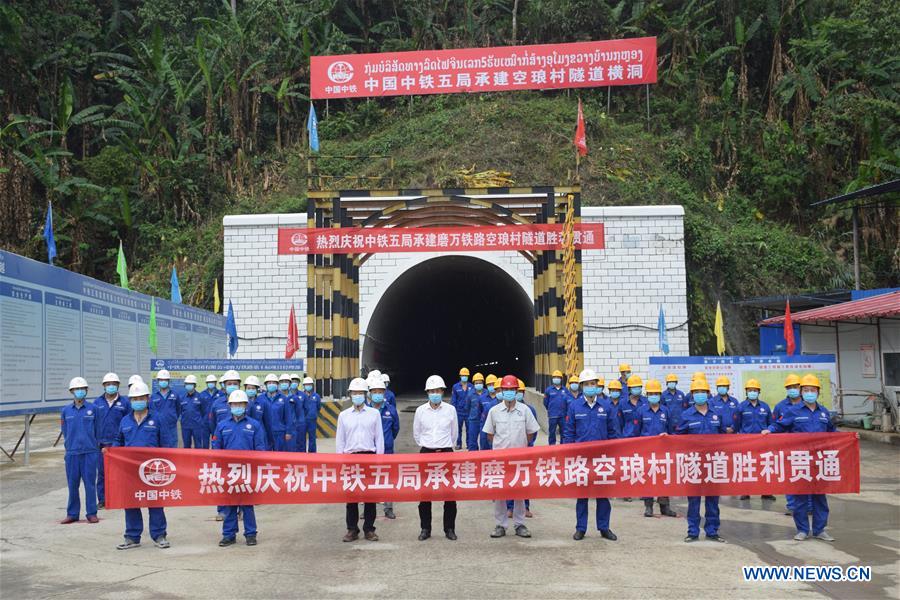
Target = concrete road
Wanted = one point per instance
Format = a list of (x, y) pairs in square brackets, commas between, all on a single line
[(300, 553)]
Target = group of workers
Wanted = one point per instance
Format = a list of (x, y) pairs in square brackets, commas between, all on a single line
[(490, 410)]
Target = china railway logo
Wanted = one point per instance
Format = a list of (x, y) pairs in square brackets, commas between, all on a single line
[(340, 71), (300, 240), (157, 472)]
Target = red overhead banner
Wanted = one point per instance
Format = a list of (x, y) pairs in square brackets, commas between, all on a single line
[(499, 69), (676, 465), (360, 240)]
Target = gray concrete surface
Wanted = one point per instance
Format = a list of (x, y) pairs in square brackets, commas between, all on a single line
[(300, 553)]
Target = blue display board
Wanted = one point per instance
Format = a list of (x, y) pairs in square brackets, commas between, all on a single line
[(179, 368), (56, 324)]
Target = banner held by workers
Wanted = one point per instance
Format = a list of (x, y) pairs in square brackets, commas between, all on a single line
[(698, 465)]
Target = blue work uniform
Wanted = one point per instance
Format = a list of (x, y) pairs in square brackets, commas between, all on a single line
[(727, 406), (298, 444), (146, 434), (460, 399), (390, 425), (390, 398), (803, 419), (628, 416), (311, 406), (557, 404), (194, 422), (242, 433), (753, 418), (80, 427), (110, 415), (279, 420), (586, 423), (786, 405), (616, 407), (675, 403), (165, 405), (472, 418), (483, 405), (653, 422), (570, 397), (258, 410), (209, 398), (694, 422)]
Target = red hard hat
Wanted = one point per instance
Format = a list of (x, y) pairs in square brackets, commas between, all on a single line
[(509, 381)]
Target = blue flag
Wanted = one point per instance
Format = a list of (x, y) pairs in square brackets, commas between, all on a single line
[(48, 234), (663, 334), (312, 125), (176, 289), (231, 330)]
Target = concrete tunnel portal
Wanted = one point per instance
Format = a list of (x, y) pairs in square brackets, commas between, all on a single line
[(449, 312)]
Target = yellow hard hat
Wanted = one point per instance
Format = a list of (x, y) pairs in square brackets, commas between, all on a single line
[(672, 377), (722, 380), (601, 382), (810, 379), (653, 386), (752, 384), (624, 367), (490, 379), (573, 379), (557, 373), (698, 375), (791, 379), (464, 371), (477, 377), (614, 384), (635, 381), (521, 386), (699, 384)]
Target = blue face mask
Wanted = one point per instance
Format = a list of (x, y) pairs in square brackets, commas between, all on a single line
[(377, 398), (464, 378), (163, 384), (272, 387), (139, 405), (251, 392), (308, 387), (810, 397), (358, 400), (672, 385), (723, 390), (508, 395), (189, 387), (752, 395), (230, 388), (615, 394), (435, 397), (479, 387), (295, 386), (653, 398), (80, 394), (573, 387), (520, 396), (490, 388), (210, 386), (238, 411), (112, 389), (635, 391), (556, 381), (285, 386), (699, 397), (590, 390), (793, 393)]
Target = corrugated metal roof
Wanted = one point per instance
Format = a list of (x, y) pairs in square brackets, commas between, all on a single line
[(885, 305)]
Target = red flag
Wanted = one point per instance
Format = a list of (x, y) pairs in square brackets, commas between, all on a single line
[(789, 330), (580, 136), (293, 344)]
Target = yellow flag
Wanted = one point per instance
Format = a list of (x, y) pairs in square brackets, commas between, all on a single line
[(719, 330), (216, 302)]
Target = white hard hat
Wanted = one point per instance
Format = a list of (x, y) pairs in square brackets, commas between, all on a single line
[(211, 378), (135, 379), (271, 377), (284, 377), (221, 380), (386, 377), (358, 384), (164, 374), (139, 389), (190, 379), (375, 382), (435, 382), (231, 375), (237, 396), (252, 380), (308, 380), (375, 372), (587, 375), (110, 377), (294, 376), (77, 382)]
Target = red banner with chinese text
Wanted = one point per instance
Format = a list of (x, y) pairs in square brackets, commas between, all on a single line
[(694, 465), (358, 240), (504, 68)]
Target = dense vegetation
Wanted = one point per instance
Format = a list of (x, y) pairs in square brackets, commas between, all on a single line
[(149, 120)]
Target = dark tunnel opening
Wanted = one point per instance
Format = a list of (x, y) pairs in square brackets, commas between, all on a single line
[(446, 313)]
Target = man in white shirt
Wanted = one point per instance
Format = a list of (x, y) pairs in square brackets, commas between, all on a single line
[(359, 432), (435, 429), (510, 425)]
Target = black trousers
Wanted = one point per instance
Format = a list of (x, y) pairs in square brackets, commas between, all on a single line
[(368, 513), (449, 505)]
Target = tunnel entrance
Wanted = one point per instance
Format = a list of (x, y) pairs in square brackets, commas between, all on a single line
[(446, 313)]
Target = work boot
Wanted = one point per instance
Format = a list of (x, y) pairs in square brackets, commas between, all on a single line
[(522, 531), (716, 538), (451, 535), (745, 497), (371, 536), (690, 538), (220, 516), (509, 514), (767, 497), (499, 532), (648, 508), (351, 536), (389, 513), (800, 536), (578, 536), (92, 519), (161, 542), (627, 499), (128, 544), (424, 535), (608, 534), (101, 505), (824, 536), (528, 514), (665, 511), (251, 540), (226, 541), (68, 520)]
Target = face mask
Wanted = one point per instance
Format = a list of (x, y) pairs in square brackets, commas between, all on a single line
[(295, 386), (490, 388), (722, 390), (590, 390), (573, 387), (189, 387), (308, 387), (793, 393), (251, 393), (479, 387), (615, 395), (238, 411), (556, 381), (230, 388), (653, 398), (163, 384), (80, 394), (626, 374), (284, 386), (272, 387), (671, 385), (520, 396), (358, 400), (112, 389), (377, 398), (508, 395), (635, 391), (139, 405), (752, 395), (810, 397), (699, 397), (435, 397), (210, 386)]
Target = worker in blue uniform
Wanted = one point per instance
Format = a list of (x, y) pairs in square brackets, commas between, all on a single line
[(240, 432), (629, 408), (725, 404), (472, 406), (390, 423), (616, 400), (111, 407), (479, 407), (590, 419), (753, 416), (573, 392), (165, 406), (219, 410), (389, 396), (459, 398), (281, 415), (193, 413), (701, 418), (624, 374), (258, 408), (791, 399), (557, 404), (212, 392), (808, 417), (655, 419), (673, 398), (80, 428), (312, 404), (140, 429)]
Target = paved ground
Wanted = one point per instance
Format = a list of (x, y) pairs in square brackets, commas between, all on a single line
[(300, 552)]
